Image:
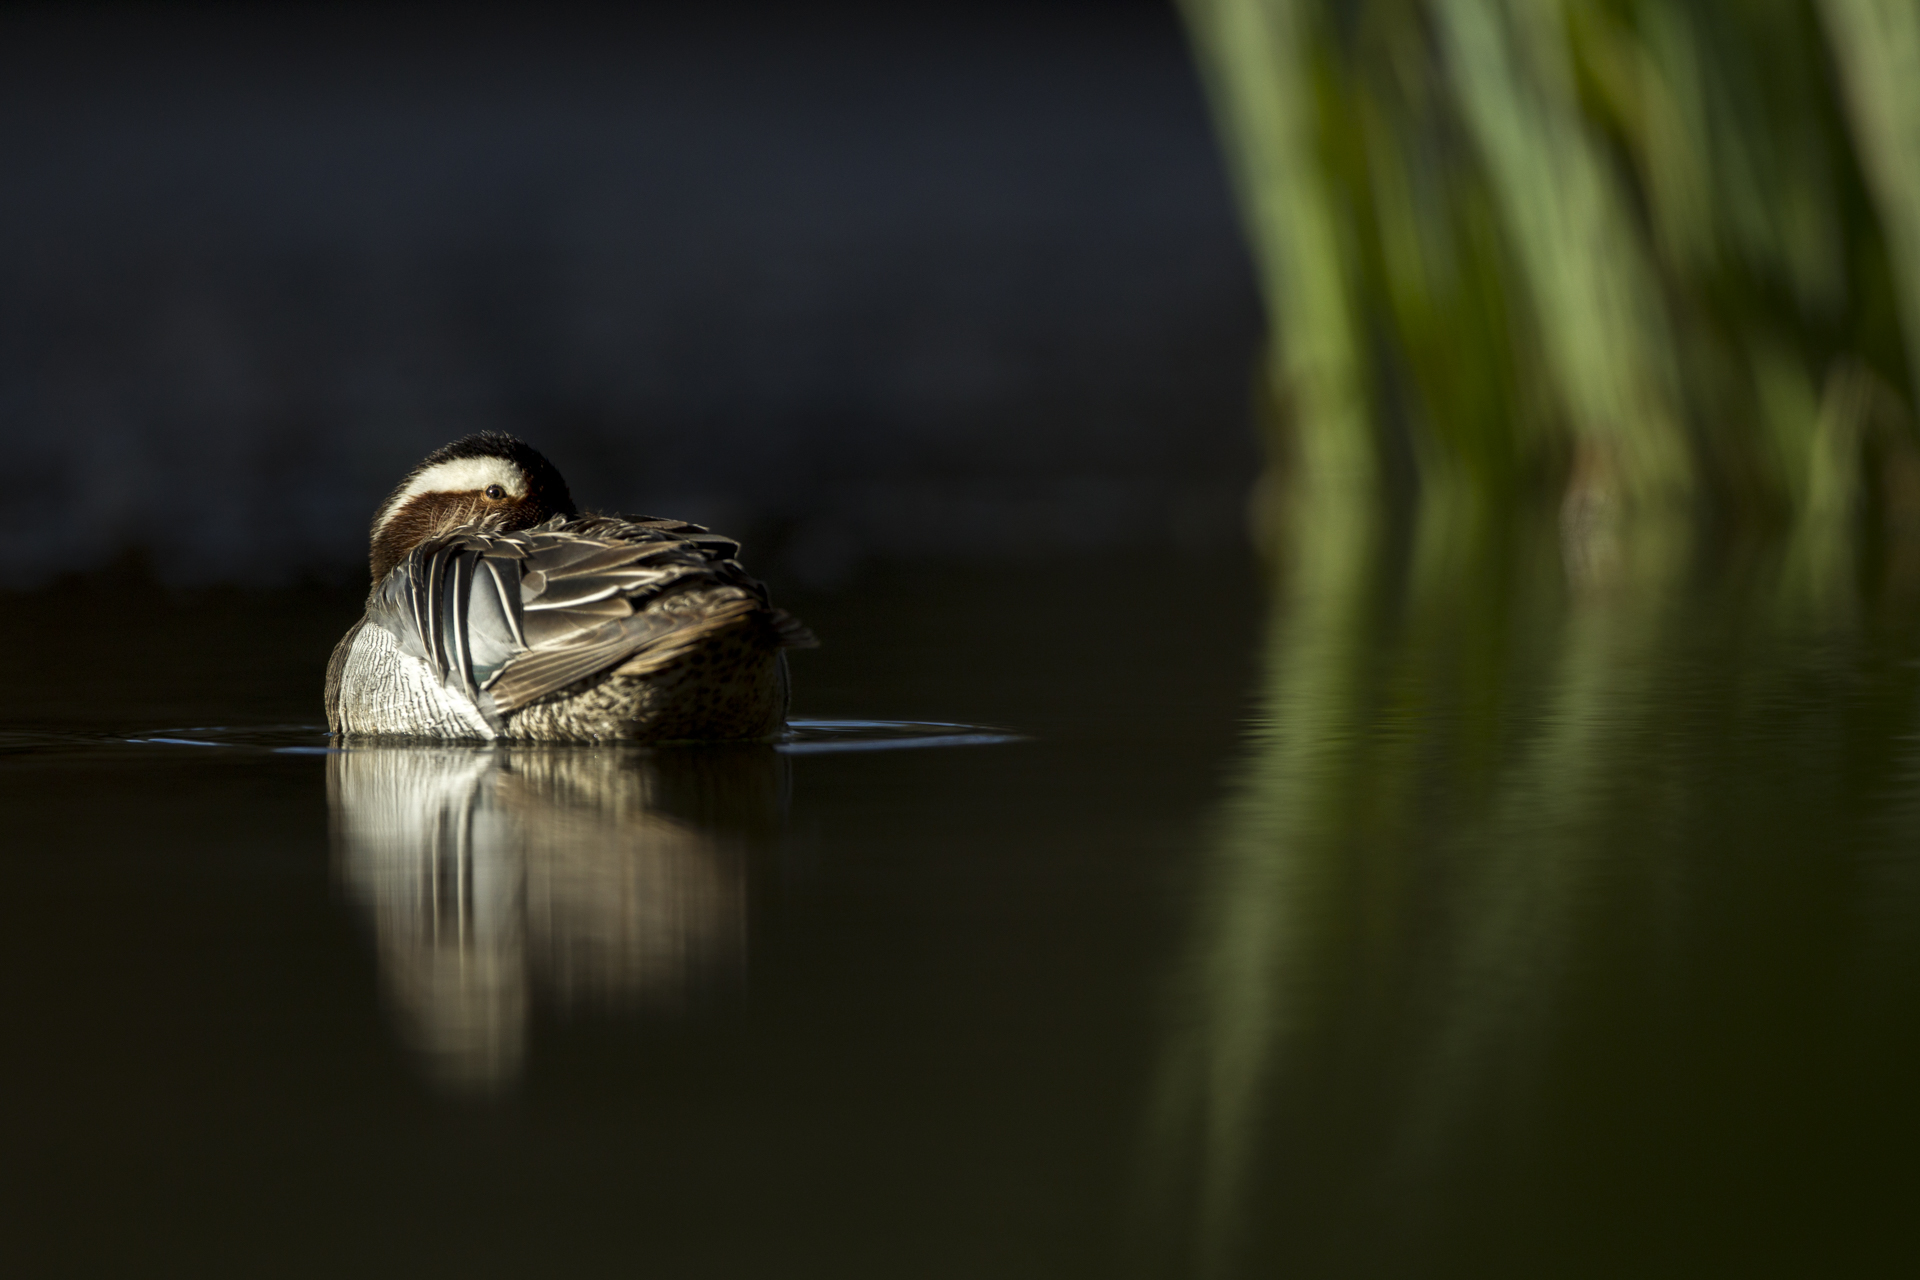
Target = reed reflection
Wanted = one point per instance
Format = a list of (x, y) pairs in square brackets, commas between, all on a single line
[(1525, 870), (499, 878)]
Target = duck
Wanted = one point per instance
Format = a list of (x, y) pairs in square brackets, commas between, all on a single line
[(499, 611)]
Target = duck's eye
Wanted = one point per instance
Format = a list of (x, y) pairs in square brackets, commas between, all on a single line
[(495, 492)]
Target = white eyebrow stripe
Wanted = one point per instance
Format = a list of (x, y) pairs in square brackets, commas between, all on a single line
[(456, 475)]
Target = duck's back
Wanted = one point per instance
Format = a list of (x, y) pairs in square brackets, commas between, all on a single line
[(594, 627)]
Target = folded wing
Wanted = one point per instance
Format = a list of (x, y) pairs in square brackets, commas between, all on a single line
[(508, 618)]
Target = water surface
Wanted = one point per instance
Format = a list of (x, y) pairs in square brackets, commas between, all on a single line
[(1428, 904), (880, 1001)]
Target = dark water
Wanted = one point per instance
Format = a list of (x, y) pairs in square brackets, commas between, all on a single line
[(1442, 911), (731, 1012)]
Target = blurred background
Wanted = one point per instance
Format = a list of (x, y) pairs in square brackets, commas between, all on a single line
[(1644, 255), (852, 281)]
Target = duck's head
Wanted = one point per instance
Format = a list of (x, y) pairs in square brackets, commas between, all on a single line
[(486, 481)]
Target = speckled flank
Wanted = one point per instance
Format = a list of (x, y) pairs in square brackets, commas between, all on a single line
[(726, 684)]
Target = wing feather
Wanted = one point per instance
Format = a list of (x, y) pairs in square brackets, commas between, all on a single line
[(436, 566), (546, 628), (459, 598), (543, 671), (506, 618), (574, 590), (506, 600)]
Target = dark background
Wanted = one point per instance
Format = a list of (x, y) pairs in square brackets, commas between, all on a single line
[(857, 283)]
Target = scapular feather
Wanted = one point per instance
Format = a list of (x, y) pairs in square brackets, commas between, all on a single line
[(524, 614)]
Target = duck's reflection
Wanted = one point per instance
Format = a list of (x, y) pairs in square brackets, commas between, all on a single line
[(496, 878)]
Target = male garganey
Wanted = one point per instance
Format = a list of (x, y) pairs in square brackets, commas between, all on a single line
[(498, 611)]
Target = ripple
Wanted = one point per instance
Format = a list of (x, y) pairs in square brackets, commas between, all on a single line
[(802, 737), (815, 737)]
